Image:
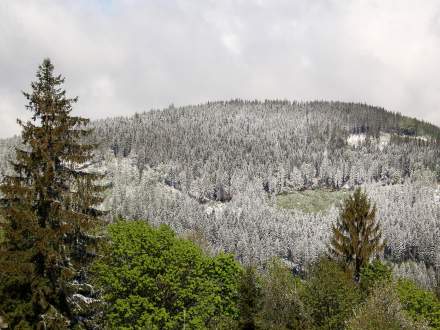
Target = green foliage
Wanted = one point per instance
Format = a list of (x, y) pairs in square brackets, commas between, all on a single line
[(356, 235), (383, 310), (373, 274), (47, 210), (250, 298), (152, 279), (310, 201), (330, 295), (420, 304), (412, 126), (282, 307)]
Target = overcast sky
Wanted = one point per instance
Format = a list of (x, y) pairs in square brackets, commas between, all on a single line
[(122, 57)]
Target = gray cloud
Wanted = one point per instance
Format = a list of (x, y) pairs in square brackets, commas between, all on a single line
[(120, 57)]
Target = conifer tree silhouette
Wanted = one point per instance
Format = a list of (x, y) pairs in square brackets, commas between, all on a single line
[(48, 210), (356, 236)]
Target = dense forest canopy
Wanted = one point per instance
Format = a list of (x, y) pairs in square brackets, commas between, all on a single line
[(209, 143)]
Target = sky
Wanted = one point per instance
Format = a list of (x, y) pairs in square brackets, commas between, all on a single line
[(127, 56)]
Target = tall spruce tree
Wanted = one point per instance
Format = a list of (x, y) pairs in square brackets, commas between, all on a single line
[(356, 236), (48, 211)]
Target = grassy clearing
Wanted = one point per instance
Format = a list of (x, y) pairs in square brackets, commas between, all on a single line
[(311, 201)]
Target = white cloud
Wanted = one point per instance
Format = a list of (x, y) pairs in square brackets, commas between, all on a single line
[(120, 57), (232, 43), (8, 118)]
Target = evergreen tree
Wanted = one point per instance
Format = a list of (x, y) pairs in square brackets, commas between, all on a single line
[(48, 208), (356, 235)]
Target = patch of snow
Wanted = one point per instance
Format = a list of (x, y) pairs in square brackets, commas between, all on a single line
[(437, 195), (384, 140), (168, 189), (86, 300), (422, 138), (356, 139), (347, 186), (214, 208)]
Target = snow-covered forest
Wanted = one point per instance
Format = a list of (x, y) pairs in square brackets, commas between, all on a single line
[(297, 145), (213, 172)]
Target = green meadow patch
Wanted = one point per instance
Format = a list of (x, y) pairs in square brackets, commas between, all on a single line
[(311, 201)]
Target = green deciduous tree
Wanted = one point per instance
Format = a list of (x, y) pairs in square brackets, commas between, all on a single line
[(383, 310), (282, 307), (151, 279), (419, 303), (47, 206), (374, 274), (356, 236), (330, 295)]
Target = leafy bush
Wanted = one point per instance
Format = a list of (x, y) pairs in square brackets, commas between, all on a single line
[(282, 306), (420, 304), (373, 274)]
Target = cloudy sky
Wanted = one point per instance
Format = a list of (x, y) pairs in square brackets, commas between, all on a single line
[(122, 57)]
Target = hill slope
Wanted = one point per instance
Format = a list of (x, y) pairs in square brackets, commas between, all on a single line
[(214, 170), (285, 144)]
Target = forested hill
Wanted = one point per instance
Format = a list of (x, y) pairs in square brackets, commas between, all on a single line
[(293, 145), (317, 119), (225, 173), (288, 145)]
